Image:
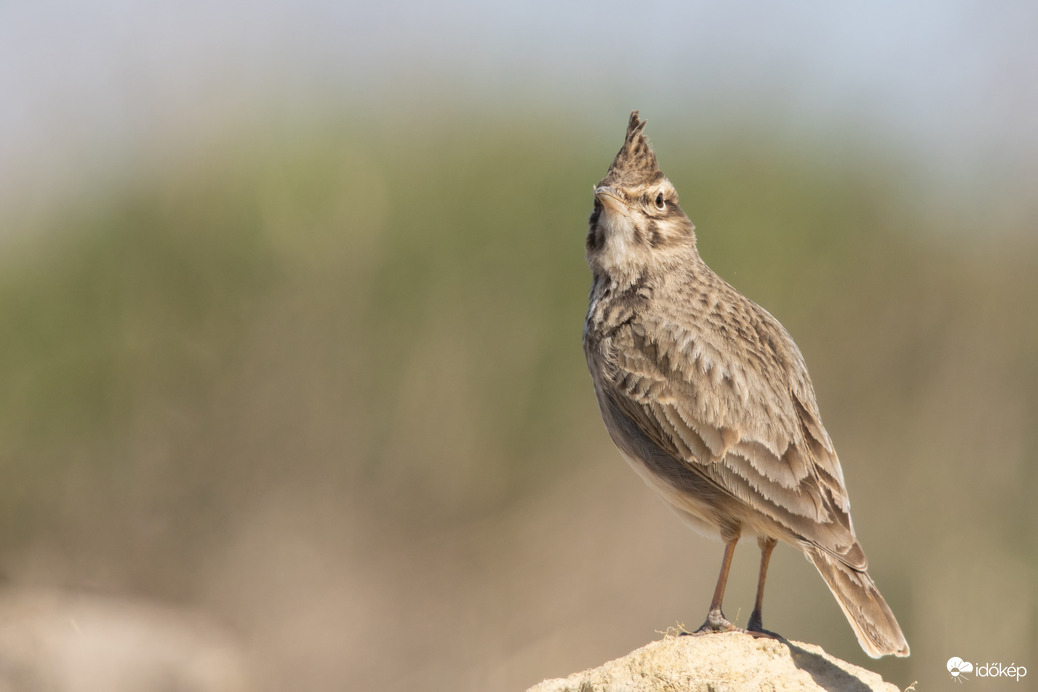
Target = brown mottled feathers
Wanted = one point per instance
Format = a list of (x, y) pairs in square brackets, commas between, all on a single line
[(755, 435), (635, 163)]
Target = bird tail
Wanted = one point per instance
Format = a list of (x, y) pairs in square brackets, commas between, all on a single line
[(869, 615)]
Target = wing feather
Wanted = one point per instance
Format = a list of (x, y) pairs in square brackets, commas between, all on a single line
[(758, 437)]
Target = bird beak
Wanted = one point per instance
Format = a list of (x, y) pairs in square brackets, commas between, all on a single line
[(610, 199)]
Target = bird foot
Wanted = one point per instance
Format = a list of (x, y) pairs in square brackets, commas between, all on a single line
[(716, 622), (763, 633), (756, 628)]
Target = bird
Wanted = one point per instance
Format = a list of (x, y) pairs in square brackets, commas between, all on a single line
[(709, 399)]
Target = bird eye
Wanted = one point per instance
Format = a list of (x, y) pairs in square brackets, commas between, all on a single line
[(660, 204)]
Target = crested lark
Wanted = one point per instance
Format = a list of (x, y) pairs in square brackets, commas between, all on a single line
[(708, 398)]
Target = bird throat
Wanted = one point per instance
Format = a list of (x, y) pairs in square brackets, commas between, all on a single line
[(619, 255)]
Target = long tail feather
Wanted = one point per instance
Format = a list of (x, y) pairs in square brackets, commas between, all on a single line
[(869, 615)]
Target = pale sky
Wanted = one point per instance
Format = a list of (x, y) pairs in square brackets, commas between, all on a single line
[(85, 84)]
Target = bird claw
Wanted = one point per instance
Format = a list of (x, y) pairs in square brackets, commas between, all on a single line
[(756, 628), (715, 623)]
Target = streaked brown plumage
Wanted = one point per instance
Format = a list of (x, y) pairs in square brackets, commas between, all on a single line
[(708, 398)]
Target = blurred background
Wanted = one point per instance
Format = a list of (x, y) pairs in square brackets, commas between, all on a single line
[(291, 297)]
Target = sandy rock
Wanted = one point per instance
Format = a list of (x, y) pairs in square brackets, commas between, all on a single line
[(721, 662)]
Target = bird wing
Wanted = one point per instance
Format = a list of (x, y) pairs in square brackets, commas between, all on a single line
[(750, 424)]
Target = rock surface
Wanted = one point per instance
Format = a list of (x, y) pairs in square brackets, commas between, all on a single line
[(730, 661)]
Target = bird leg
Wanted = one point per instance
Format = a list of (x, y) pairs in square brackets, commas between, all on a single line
[(715, 619), (766, 546)]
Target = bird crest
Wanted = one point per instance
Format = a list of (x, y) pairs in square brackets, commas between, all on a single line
[(635, 164)]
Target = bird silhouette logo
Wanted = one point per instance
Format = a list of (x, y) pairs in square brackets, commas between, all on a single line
[(957, 667)]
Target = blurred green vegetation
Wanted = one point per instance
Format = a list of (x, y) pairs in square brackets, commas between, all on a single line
[(388, 316)]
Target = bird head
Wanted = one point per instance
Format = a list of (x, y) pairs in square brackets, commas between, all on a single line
[(636, 221)]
